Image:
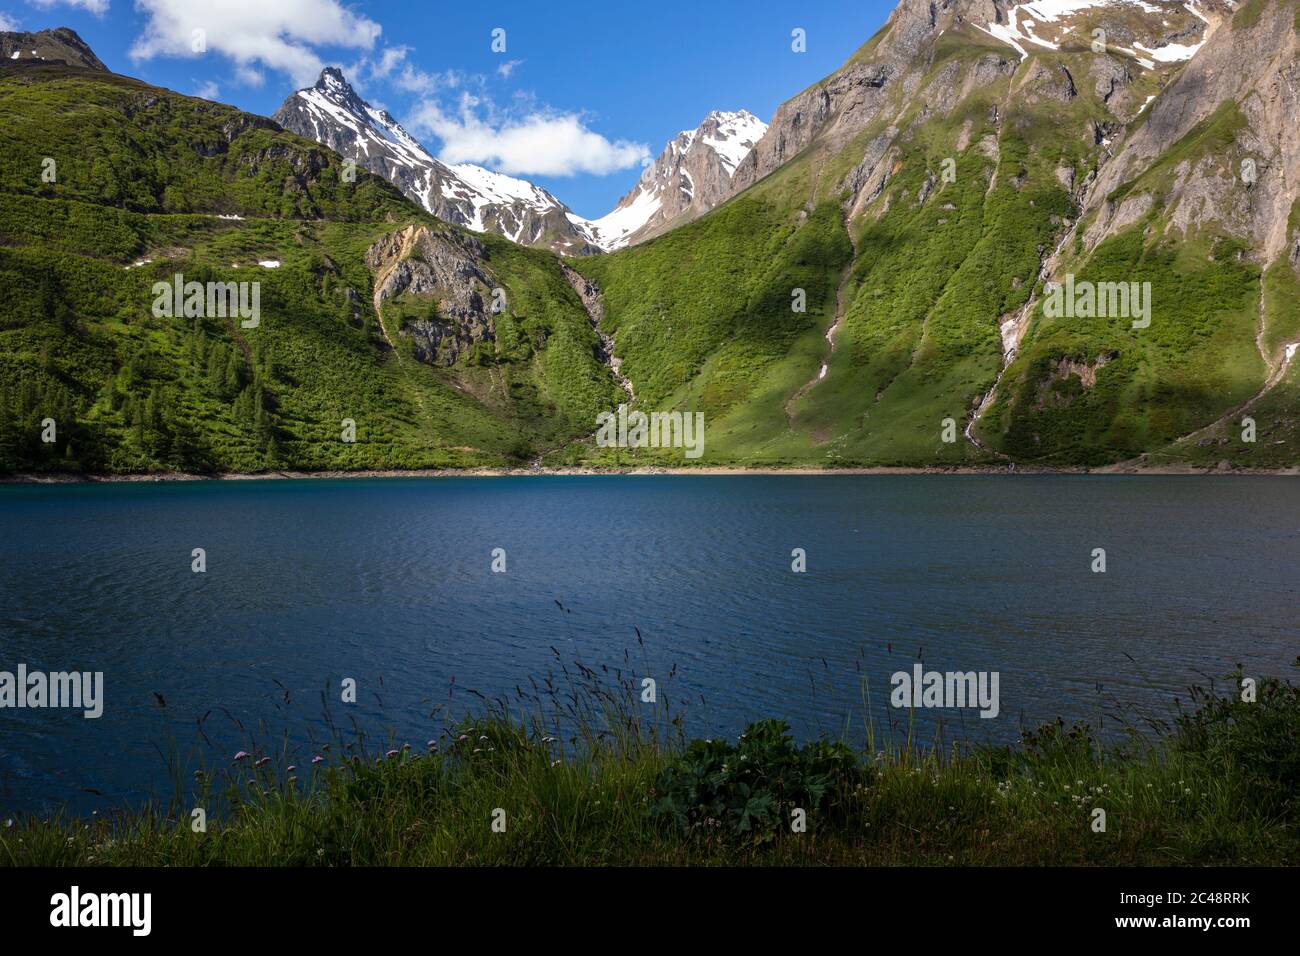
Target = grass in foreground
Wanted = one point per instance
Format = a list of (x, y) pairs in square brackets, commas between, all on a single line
[(1220, 785)]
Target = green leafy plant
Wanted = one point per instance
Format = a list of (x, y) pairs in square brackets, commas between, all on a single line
[(1259, 739), (749, 789)]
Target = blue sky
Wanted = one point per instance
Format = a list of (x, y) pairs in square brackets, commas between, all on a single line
[(582, 93)]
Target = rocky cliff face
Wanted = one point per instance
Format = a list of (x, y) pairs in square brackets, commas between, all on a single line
[(1137, 35), (331, 112), (60, 45), (1246, 79), (448, 269)]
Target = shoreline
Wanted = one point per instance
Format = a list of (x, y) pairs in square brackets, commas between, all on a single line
[(58, 478)]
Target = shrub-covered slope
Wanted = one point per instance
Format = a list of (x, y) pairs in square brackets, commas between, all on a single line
[(972, 177), (111, 186)]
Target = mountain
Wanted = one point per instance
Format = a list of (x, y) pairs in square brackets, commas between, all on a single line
[(60, 45), (691, 176), (1059, 234), (927, 203), (363, 315), (331, 112)]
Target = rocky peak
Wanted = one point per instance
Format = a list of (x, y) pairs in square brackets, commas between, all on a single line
[(331, 112), (60, 45), (691, 176)]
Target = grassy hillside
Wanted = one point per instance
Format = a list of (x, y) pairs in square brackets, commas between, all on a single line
[(147, 184), (938, 264), (916, 231)]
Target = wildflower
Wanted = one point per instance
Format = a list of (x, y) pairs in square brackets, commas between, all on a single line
[(291, 768), (318, 759), (264, 760), (392, 753), (241, 755)]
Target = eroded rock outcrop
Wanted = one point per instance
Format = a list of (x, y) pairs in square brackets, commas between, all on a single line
[(448, 269)]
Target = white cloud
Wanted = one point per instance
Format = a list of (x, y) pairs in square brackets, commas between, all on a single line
[(540, 142), (7, 22), (256, 34), (393, 66), (97, 7), (208, 91), (508, 67), (391, 58)]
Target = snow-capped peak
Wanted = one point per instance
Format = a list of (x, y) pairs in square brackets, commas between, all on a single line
[(690, 177), (332, 113), (732, 135)]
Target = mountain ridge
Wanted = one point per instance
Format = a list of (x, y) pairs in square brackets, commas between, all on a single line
[(691, 175), (332, 113), (872, 290), (60, 45)]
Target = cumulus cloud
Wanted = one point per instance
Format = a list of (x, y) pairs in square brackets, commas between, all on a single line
[(97, 7), (257, 34), (208, 91), (538, 142), (508, 67), (7, 22)]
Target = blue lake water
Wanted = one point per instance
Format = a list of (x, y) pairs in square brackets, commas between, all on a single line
[(389, 582)]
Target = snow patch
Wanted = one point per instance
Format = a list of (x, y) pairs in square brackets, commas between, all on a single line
[(612, 231), (1172, 52), (738, 133), (1023, 18)]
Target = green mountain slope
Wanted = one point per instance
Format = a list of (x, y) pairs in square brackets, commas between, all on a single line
[(970, 177), (881, 290), (112, 186)]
